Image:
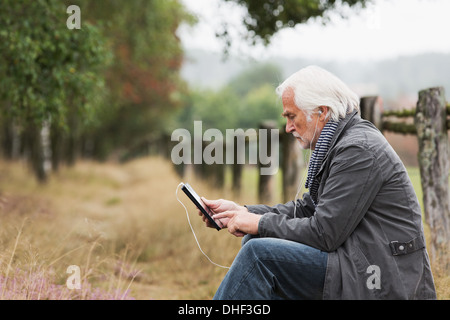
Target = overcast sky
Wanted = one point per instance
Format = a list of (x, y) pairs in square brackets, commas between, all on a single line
[(385, 29)]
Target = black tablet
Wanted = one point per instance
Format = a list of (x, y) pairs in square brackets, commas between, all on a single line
[(187, 189)]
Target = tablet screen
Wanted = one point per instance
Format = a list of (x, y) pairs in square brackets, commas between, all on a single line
[(197, 198), (199, 203)]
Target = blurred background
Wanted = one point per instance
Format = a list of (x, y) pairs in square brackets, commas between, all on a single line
[(86, 117)]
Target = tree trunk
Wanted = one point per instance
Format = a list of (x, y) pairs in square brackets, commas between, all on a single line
[(7, 138), (432, 134), (34, 150), (56, 136), (10, 139), (71, 143)]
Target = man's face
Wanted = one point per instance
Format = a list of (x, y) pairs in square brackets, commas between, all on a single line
[(306, 132)]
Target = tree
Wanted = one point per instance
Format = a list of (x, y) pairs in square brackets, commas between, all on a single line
[(48, 73), (247, 100), (217, 109), (267, 17), (260, 105), (254, 77), (144, 78)]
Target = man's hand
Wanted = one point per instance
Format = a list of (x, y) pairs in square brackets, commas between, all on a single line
[(240, 222), (219, 206), (232, 216)]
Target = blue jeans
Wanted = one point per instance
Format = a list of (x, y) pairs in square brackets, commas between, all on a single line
[(274, 269)]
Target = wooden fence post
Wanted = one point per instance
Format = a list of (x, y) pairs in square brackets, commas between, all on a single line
[(236, 168), (431, 124), (292, 163), (266, 182), (372, 110), (213, 173)]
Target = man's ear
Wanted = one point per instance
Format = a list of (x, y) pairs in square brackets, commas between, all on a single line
[(323, 113)]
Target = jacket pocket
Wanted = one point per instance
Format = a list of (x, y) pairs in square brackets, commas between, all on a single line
[(368, 277)]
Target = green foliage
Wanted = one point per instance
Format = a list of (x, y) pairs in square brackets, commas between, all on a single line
[(46, 70), (245, 102), (255, 87), (144, 79), (49, 76), (259, 105), (217, 109), (109, 84), (266, 17), (255, 77)]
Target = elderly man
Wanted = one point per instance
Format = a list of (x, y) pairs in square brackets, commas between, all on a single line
[(357, 233)]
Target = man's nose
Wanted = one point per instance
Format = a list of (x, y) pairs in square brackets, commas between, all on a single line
[(289, 127)]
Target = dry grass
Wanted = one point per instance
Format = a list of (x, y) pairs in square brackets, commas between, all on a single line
[(122, 225)]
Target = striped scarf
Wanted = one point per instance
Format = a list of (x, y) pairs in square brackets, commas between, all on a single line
[(321, 150)]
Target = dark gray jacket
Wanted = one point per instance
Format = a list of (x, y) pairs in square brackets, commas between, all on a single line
[(368, 219)]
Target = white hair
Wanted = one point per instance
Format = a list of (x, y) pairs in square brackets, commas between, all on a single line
[(314, 87)]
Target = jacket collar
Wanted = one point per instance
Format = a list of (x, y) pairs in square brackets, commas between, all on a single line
[(344, 124)]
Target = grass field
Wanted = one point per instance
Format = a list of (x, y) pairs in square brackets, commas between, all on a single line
[(123, 227)]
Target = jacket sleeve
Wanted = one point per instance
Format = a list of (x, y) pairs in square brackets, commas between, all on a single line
[(305, 208), (353, 182)]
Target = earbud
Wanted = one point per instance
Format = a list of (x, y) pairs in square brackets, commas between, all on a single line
[(320, 112)]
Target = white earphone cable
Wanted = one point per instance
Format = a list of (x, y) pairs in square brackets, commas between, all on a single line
[(302, 181), (192, 229)]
